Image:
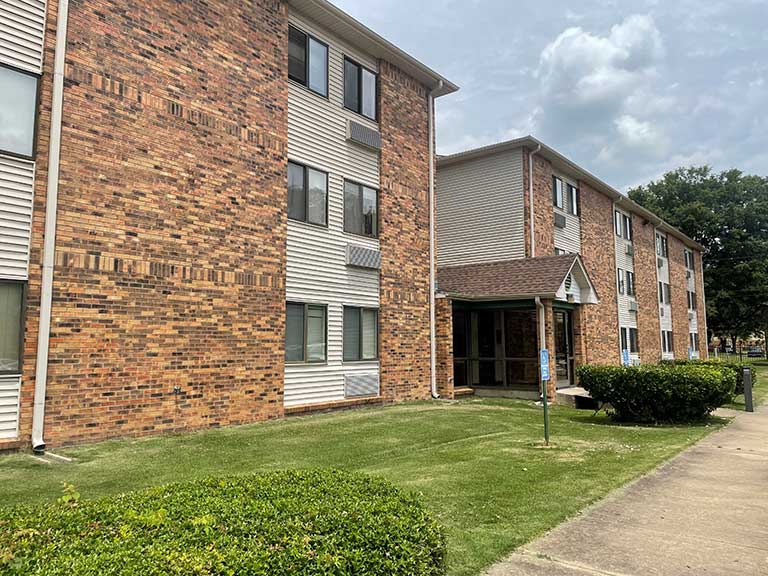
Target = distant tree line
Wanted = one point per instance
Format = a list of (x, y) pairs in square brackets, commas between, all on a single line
[(727, 213)]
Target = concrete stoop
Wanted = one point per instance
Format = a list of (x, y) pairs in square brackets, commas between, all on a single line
[(576, 397)]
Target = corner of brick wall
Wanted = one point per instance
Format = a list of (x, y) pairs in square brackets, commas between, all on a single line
[(444, 345), (679, 288), (601, 321), (701, 308), (543, 211), (404, 236), (171, 234), (647, 291)]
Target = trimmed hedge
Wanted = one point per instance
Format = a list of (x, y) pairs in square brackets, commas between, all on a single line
[(292, 522), (659, 393), (727, 365)]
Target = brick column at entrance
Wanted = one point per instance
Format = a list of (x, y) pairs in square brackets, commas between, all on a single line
[(550, 345), (444, 346)]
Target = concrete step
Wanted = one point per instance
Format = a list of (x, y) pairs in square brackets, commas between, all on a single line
[(576, 397), (463, 392)]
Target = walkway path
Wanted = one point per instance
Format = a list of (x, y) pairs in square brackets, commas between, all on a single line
[(704, 513)]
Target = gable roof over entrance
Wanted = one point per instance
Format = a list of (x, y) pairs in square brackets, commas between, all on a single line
[(560, 277)]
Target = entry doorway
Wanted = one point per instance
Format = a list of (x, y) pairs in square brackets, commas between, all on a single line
[(564, 366)]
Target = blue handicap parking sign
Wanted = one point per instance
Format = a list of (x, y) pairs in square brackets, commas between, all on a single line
[(544, 362), (625, 357)]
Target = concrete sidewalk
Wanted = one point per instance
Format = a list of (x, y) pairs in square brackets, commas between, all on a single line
[(703, 513)]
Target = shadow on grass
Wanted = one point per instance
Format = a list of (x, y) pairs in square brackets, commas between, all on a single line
[(603, 420)]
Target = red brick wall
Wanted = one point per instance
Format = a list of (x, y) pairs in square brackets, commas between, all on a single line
[(444, 346), (679, 287), (701, 309), (601, 321), (171, 234), (543, 212), (646, 286), (404, 237)]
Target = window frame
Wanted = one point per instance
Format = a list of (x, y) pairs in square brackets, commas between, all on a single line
[(38, 89), (306, 168), (689, 259), (306, 63), (620, 281), (360, 68), (561, 203), (667, 342), (307, 306), (378, 209), (360, 310), (627, 227), (662, 248), (630, 283), (634, 340), (574, 199), (22, 324), (618, 226)]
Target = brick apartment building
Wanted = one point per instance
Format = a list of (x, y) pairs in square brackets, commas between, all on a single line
[(210, 213), (558, 257)]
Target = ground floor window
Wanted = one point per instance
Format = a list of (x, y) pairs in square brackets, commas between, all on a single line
[(694, 341), (306, 332), (667, 343), (361, 333), (629, 340), (11, 317)]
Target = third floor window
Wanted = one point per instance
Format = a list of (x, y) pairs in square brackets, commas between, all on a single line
[(18, 100), (308, 61), (360, 89), (307, 194)]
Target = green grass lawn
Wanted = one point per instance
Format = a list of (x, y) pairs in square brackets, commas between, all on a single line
[(759, 390), (478, 463)]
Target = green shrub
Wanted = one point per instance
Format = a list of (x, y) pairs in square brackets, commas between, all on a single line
[(294, 522), (659, 393), (736, 367)]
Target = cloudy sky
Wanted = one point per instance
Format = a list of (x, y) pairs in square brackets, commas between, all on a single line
[(628, 89)]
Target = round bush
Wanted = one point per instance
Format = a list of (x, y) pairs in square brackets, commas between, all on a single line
[(291, 522), (659, 393)]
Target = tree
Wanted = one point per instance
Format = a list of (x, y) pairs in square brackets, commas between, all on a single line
[(728, 214)]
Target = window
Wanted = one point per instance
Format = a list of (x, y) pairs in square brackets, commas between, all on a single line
[(617, 222), (574, 199), (667, 342), (361, 333), (691, 300), (307, 194), (620, 280), (18, 102), (308, 61), (361, 210), (665, 293), (694, 341), (629, 340), (689, 259), (627, 227), (630, 283), (557, 192), (661, 245), (11, 304), (305, 332), (360, 89)]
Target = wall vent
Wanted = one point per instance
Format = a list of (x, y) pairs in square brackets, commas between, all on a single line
[(362, 257), (660, 262), (9, 406), (630, 251), (559, 221), (22, 30), (661, 311), (633, 306), (691, 315), (688, 274), (363, 135), (357, 385)]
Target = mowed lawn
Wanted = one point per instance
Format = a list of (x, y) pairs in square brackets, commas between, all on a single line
[(478, 463)]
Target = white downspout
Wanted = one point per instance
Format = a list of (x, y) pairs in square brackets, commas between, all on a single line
[(49, 247), (530, 198), (432, 286)]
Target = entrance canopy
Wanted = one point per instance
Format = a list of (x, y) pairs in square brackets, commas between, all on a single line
[(561, 277)]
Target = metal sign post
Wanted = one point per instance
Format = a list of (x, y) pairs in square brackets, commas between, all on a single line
[(544, 363), (748, 405)]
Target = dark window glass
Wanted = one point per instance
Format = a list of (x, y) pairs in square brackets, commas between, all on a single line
[(297, 194), (360, 89), (624, 344), (627, 227), (294, 333), (361, 327), (11, 299), (620, 280), (617, 222), (634, 345), (317, 202), (18, 101), (315, 333), (460, 334), (318, 67), (351, 85), (360, 210), (557, 191), (667, 294), (573, 199), (630, 283), (297, 55)]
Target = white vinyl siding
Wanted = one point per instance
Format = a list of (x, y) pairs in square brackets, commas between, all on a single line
[(480, 209), (568, 239), (625, 262), (22, 30), (10, 387), (17, 178), (665, 310), (317, 270)]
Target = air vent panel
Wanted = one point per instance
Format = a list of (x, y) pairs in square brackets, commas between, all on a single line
[(357, 385), (362, 257), (360, 134)]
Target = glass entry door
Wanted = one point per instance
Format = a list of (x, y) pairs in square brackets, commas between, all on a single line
[(563, 348)]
